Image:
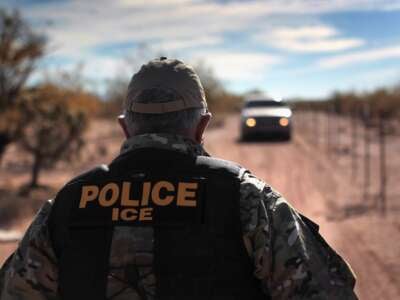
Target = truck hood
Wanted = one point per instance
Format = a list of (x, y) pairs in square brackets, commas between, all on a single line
[(282, 112)]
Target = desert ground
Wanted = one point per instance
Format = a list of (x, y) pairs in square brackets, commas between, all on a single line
[(315, 184)]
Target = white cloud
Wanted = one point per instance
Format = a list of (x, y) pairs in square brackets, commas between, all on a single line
[(179, 44), (97, 67), (321, 45), (379, 77), (305, 32), (80, 30), (317, 38), (360, 57), (239, 66), (79, 26), (153, 3)]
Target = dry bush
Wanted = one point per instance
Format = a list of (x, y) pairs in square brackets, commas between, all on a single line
[(381, 102), (20, 48), (56, 120)]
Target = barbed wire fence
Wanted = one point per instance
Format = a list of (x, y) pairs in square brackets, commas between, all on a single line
[(357, 146)]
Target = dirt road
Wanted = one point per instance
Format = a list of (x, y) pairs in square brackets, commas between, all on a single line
[(309, 182)]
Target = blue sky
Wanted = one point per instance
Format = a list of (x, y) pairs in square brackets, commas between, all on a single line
[(289, 48)]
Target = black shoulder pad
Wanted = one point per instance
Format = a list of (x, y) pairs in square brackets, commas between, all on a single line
[(220, 166), (96, 173)]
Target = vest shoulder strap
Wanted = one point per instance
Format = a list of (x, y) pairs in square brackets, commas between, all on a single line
[(221, 166), (96, 173), (148, 158)]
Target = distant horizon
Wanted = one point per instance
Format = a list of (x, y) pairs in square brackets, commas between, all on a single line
[(290, 49)]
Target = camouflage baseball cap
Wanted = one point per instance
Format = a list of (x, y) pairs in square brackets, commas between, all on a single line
[(169, 75)]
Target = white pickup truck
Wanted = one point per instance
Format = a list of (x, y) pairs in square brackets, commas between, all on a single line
[(266, 118)]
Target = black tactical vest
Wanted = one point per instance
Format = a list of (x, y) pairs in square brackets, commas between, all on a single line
[(192, 203)]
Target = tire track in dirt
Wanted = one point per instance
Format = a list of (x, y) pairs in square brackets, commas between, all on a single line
[(375, 280)]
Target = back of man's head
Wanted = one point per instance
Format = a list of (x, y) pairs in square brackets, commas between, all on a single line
[(165, 96)]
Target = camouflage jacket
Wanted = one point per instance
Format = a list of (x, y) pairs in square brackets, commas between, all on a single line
[(291, 260)]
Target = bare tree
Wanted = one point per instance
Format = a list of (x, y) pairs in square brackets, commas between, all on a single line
[(20, 48), (56, 120)]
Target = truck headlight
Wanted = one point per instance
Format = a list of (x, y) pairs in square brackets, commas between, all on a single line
[(284, 122), (251, 122)]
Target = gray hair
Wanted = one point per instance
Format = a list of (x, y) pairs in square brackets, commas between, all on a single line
[(177, 122)]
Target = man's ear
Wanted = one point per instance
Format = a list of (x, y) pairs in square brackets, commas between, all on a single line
[(202, 126), (122, 123)]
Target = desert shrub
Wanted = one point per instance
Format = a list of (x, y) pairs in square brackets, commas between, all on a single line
[(20, 48), (55, 123), (380, 102)]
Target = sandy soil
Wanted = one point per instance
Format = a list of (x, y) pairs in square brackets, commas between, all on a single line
[(315, 186)]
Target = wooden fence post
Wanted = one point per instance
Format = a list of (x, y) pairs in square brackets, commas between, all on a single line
[(382, 162), (337, 138), (310, 125), (317, 128), (367, 153), (354, 144), (328, 132)]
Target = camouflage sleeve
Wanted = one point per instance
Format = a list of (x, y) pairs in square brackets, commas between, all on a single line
[(290, 258), (31, 271)]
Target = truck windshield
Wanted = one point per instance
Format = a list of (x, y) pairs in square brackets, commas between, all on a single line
[(264, 103)]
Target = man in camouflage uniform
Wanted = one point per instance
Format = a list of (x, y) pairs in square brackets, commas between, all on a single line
[(288, 258)]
